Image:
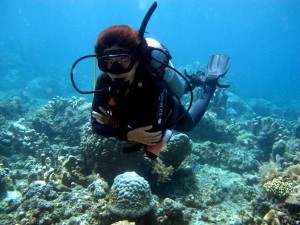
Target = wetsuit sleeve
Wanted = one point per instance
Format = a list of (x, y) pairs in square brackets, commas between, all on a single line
[(192, 118), (102, 98)]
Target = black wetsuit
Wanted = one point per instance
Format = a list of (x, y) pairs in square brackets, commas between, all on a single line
[(148, 102)]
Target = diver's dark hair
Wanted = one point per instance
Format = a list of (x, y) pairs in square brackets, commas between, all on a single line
[(124, 37)]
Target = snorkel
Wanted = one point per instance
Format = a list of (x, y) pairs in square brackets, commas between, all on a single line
[(165, 64), (146, 20)]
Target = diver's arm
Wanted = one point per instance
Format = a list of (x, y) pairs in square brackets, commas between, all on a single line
[(105, 118), (103, 130), (101, 126), (151, 134), (104, 125), (141, 135), (100, 100), (108, 127)]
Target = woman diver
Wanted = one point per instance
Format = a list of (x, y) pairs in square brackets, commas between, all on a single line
[(135, 103)]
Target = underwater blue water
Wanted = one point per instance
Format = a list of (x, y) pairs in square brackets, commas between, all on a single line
[(40, 39)]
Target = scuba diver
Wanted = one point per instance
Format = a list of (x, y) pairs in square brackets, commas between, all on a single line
[(137, 105), (137, 97)]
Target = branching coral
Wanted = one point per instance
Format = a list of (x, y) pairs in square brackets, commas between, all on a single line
[(55, 119)]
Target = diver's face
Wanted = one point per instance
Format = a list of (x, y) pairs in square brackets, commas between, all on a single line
[(123, 61), (128, 76), (120, 65)]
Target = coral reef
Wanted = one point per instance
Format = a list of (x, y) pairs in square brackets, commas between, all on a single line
[(292, 146), (272, 217), (226, 155), (278, 187), (19, 138), (232, 169), (6, 182), (292, 202), (100, 153), (268, 171), (267, 131), (49, 203), (130, 196), (124, 222), (164, 173), (242, 109), (281, 186), (50, 124), (71, 171), (288, 152), (178, 148), (220, 131), (263, 107), (171, 212), (12, 108), (63, 118)]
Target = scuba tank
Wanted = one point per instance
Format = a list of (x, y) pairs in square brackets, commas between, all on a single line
[(161, 65)]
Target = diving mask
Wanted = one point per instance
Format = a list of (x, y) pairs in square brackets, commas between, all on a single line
[(116, 61)]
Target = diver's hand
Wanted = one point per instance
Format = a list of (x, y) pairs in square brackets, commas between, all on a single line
[(141, 135), (214, 80), (105, 118), (195, 79)]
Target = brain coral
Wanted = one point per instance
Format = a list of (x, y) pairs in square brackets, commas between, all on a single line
[(130, 195)]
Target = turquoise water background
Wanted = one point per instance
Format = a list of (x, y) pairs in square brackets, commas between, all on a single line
[(42, 38)]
